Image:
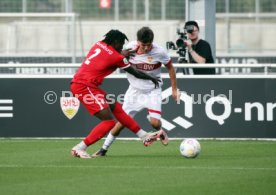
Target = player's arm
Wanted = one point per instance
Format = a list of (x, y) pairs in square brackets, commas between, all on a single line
[(172, 74), (141, 75), (128, 53)]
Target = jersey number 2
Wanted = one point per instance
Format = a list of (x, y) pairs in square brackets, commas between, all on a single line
[(95, 53)]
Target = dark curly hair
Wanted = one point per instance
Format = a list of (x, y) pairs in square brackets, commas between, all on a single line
[(114, 36)]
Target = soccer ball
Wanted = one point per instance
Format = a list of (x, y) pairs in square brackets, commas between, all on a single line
[(190, 148)]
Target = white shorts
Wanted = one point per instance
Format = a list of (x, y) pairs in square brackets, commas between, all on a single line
[(136, 100)]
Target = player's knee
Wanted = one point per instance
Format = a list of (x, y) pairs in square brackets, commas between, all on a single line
[(104, 114), (155, 123)]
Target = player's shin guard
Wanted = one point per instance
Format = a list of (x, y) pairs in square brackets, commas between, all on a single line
[(99, 131), (125, 119)]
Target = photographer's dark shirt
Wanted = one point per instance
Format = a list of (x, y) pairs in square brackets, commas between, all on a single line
[(203, 49)]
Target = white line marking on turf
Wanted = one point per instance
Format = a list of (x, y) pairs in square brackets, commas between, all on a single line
[(142, 167)]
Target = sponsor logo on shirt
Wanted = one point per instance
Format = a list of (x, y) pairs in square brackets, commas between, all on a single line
[(147, 66)]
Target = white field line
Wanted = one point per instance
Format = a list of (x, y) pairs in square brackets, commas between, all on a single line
[(142, 167)]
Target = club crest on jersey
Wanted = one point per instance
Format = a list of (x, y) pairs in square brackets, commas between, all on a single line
[(150, 58), (69, 106), (125, 61)]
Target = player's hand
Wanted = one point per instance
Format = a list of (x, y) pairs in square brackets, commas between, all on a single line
[(128, 53), (176, 95), (156, 82)]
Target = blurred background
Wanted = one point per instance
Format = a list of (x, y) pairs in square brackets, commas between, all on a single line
[(62, 31)]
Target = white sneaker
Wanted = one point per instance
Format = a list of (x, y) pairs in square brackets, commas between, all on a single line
[(150, 137), (164, 137), (80, 153)]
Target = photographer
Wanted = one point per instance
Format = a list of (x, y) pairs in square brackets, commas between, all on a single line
[(199, 50)]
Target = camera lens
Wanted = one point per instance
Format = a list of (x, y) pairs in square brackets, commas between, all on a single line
[(180, 43)]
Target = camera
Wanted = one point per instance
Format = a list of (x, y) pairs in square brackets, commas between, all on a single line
[(180, 44)]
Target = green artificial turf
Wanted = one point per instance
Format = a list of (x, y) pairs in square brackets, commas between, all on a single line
[(34, 167)]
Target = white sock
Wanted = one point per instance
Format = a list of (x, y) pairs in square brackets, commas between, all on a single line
[(108, 141), (82, 145), (141, 133)]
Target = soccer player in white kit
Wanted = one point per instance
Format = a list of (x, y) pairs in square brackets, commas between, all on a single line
[(148, 57)]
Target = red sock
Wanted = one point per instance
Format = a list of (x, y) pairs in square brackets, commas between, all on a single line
[(125, 119), (99, 131)]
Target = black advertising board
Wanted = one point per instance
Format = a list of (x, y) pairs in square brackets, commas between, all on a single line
[(209, 108)]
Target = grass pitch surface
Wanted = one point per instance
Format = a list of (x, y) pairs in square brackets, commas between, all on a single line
[(223, 167)]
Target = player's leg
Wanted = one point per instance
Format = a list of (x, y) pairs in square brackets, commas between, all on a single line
[(133, 103), (130, 123), (130, 106), (94, 102), (115, 131), (106, 124), (154, 108), (99, 131), (155, 123)]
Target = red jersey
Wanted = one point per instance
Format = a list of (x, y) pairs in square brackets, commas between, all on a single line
[(100, 62)]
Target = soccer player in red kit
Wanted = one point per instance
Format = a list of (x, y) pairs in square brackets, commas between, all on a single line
[(104, 58)]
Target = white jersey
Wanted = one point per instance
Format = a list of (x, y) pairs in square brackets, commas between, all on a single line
[(149, 63)]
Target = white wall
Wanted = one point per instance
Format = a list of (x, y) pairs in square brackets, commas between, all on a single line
[(54, 38)]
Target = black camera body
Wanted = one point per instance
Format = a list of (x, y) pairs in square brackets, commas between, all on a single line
[(180, 44)]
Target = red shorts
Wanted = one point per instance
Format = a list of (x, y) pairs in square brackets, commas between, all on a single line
[(93, 98)]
